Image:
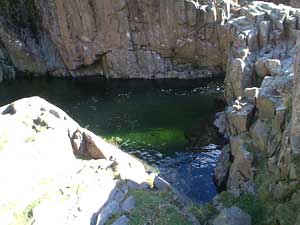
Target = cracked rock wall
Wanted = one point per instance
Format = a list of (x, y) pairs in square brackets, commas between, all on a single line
[(116, 39), (262, 91)]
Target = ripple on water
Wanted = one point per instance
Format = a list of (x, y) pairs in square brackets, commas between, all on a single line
[(189, 172)]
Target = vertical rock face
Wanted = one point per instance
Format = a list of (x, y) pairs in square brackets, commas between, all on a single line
[(135, 38), (119, 39), (263, 74), (262, 39), (28, 46), (295, 123)]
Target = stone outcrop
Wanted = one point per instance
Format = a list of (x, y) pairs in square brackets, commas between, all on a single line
[(37, 158), (258, 86), (139, 39), (254, 42), (116, 39), (265, 145), (55, 172)]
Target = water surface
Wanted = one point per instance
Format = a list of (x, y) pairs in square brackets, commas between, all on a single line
[(166, 123)]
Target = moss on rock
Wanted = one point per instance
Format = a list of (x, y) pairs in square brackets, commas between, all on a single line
[(157, 208)]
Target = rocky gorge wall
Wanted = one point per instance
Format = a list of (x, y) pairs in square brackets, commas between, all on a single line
[(116, 39), (261, 90), (262, 117), (255, 42)]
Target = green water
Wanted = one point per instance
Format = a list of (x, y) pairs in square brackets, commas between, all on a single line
[(158, 121)]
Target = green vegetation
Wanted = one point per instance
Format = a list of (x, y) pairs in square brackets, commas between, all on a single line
[(263, 208), (157, 138), (117, 141), (288, 105), (155, 208), (285, 214), (204, 213), (25, 216), (267, 207), (288, 212), (260, 206), (251, 204)]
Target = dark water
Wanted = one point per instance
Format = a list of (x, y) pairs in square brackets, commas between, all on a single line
[(166, 123)]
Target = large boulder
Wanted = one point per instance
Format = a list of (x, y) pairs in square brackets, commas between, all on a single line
[(61, 185), (232, 216)]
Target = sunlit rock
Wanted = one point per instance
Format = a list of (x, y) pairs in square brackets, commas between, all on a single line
[(60, 187)]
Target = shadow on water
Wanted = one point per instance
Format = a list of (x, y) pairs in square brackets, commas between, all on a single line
[(167, 123)]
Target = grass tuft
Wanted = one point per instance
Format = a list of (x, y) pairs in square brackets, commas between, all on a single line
[(157, 208), (204, 213)]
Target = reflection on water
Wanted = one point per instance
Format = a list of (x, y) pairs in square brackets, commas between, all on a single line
[(166, 123)]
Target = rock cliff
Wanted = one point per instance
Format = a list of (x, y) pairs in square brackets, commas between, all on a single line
[(254, 42), (116, 39), (262, 91)]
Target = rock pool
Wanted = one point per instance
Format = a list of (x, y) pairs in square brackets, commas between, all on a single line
[(167, 123)]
